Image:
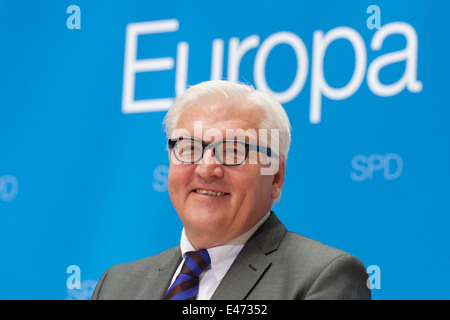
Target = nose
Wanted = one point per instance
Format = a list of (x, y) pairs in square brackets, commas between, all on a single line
[(209, 167)]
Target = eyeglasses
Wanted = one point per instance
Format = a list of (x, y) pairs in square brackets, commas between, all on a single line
[(227, 152)]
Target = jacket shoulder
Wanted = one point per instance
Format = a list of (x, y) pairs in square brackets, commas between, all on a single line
[(324, 272), (126, 280), (299, 244), (144, 263)]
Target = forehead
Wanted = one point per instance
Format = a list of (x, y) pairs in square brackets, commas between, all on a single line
[(219, 116)]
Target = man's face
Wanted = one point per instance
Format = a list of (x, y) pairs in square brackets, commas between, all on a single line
[(242, 195)]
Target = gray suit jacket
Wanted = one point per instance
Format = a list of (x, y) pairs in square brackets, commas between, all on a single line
[(274, 264)]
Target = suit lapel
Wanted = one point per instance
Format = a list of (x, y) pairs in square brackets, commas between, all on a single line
[(252, 261), (158, 280), (243, 274)]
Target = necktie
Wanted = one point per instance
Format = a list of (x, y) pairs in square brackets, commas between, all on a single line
[(185, 286)]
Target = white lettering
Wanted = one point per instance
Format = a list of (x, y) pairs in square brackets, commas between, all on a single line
[(409, 79), (302, 65), (319, 86), (182, 68), (238, 48), (236, 51), (198, 310), (132, 66), (217, 60)]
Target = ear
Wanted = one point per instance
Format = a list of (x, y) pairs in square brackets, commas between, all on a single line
[(278, 179)]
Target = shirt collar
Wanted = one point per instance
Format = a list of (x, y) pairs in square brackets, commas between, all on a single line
[(223, 256)]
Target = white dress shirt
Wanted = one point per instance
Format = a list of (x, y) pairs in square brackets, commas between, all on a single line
[(221, 259)]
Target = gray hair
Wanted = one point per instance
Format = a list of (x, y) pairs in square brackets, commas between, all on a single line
[(273, 115)]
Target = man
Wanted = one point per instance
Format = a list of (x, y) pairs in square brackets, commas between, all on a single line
[(228, 145)]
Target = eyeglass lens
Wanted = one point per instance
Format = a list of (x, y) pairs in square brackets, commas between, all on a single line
[(226, 152)]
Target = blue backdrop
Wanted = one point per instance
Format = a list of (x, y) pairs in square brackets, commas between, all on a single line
[(84, 86)]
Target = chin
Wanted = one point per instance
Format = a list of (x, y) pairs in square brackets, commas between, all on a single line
[(206, 221)]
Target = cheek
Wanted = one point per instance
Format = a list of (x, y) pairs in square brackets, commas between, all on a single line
[(176, 180), (171, 179), (253, 188), (262, 192)]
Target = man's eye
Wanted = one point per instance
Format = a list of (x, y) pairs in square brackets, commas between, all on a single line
[(233, 151), (189, 149)]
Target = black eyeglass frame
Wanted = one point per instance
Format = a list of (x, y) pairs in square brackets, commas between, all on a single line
[(265, 150)]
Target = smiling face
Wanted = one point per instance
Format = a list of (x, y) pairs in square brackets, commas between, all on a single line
[(215, 202)]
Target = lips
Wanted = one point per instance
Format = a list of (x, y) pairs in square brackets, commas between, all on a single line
[(210, 192)]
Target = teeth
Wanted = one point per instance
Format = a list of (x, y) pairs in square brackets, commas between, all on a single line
[(210, 192)]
